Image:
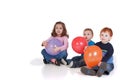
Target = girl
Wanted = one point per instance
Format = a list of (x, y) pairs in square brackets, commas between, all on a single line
[(59, 32)]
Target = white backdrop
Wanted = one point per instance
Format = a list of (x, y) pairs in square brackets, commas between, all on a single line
[(24, 24)]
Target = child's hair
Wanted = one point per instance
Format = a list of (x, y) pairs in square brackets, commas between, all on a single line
[(64, 33), (106, 29), (88, 29)]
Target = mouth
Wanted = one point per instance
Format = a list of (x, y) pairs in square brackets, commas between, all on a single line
[(86, 38), (102, 39), (58, 31)]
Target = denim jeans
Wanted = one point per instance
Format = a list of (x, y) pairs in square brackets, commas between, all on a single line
[(48, 57), (77, 58), (109, 68), (78, 61)]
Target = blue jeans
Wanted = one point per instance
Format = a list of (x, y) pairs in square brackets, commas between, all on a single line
[(75, 58), (48, 57), (109, 68), (78, 61)]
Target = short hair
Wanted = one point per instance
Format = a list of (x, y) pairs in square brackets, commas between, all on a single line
[(107, 29), (88, 29)]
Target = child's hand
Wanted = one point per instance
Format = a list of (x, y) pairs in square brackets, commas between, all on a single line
[(85, 48), (99, 63), (56, 49), (44, 43)]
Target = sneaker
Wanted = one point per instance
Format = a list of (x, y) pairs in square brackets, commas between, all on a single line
[(64, 61), (101, 69), (87, 71), (71, 64)]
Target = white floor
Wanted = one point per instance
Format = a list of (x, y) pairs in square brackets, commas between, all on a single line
[(23, 67), (51, 72), (24, 24)]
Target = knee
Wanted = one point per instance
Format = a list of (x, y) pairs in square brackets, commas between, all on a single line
[(64, 53), (110, 67), (43, 51)]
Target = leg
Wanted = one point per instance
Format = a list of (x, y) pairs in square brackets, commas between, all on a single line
[(77, 58), (88, 71), (76, 61), (46, 56), (80, 63), (76, 64), (69, 61), (102, 68), (110, 67), (61, 57)]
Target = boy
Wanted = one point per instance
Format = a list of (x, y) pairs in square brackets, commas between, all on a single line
[(78, 61), (106, 65)]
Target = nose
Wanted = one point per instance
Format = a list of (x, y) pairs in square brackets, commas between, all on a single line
[(85, 37)]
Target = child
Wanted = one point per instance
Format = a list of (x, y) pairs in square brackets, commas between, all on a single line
[(106, 65), (88, 34), (59, 32), (78, 61)]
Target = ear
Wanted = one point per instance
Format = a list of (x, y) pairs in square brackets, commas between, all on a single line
[(110, 38)]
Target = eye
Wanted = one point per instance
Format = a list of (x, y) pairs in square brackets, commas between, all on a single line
[(106, 35), (61, 28), (56, 27), (84, 34)]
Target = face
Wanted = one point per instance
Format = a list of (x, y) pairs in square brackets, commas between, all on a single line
[(59, 29), (88, 35), (105, 37)]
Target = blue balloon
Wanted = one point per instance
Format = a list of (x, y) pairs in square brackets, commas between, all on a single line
[(51, 45)]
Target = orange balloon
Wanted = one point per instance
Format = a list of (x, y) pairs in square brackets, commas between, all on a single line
[(92, 56)]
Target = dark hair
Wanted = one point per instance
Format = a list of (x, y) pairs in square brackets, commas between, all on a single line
[(64, 33)]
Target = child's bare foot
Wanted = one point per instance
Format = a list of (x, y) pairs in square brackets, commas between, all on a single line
[(54, 61)]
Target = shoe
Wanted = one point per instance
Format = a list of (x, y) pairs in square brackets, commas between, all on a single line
[(101, 69), (57, 62), (87, 71), (64, 61), (45, 62), (71, 64)]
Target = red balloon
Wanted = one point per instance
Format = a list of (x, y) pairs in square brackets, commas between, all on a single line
[(92, 56), (78, 44)]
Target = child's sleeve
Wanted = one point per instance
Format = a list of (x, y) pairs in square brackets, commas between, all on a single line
[(65, 44)]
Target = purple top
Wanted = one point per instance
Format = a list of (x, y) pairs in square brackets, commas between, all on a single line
[(63, 39)]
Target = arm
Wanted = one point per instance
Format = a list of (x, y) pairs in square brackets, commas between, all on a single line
[(109, 54), (65, 42), (44, 43)]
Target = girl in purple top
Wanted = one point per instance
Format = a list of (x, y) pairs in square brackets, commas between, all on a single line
[(59, 32)]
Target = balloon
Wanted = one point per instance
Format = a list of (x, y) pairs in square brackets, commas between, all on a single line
[(78, 44), (92, 56), (51, 45)]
